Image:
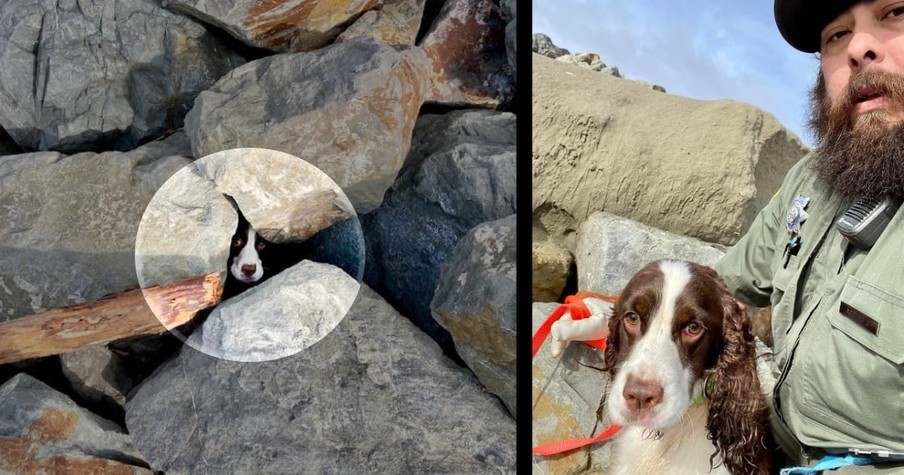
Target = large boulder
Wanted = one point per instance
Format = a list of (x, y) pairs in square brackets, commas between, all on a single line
[(697, 168), (348, 109), (475, 302), (611, 249), (374, 396), (460, 173), (43, 431), (69, 222), (467, 48), (78, 75), (288, 25)]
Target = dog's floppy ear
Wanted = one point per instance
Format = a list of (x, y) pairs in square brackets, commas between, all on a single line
[(613, 341), (738, 420)]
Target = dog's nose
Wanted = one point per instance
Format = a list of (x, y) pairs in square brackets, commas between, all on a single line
[(248, 269), (642, 394)]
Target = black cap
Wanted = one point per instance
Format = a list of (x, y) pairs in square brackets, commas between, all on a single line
[(801, 21)]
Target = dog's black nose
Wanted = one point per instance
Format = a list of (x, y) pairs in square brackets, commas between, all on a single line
[(248, 269)]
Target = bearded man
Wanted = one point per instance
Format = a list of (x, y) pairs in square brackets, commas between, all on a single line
[(837, 303)]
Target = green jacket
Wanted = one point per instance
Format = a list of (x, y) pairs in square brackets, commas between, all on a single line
[(837, 319)]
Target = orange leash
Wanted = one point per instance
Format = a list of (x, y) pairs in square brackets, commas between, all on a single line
[(575, 305), (553, 448)]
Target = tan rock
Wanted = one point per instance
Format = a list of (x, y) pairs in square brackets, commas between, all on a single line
[(550, 266), (697, 168)]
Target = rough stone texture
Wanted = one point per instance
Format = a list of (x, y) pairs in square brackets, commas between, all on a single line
[(611, 249), (280, 317), (90, 73), (68, 224), (364, 95), (696, 168), (43, 431), (466, 45), (187, 228), (285, 25), (551, 264), (564, 399), (97, 375), (509, 14), (395, 23), (460, 173), (374, 396), (475, 302), (542, 44)]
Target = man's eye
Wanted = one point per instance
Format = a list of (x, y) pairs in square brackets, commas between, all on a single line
[(833, 37), (895, 12)]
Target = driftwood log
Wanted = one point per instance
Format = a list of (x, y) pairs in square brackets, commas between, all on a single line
[(114, 317)]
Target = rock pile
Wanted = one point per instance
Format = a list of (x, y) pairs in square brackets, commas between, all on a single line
[(101, 102)]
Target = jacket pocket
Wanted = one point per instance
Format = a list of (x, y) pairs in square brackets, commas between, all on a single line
[(872, 317)]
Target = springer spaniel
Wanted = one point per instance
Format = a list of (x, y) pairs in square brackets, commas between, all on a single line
[(675, 326)]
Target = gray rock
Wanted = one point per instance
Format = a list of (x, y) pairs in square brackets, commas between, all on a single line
[(610, 250), (460, 173), (286, 25), (363, 94), (97, 374), (541, 44), (566, 394), (470, 63), (395, 23), (374, 396), (611, 71), (68, 224), (90, 73), (44, 431), (475, 302), (598, 65), (280, 317)]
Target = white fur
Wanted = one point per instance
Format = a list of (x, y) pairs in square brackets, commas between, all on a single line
[(683, 447), (248, 255)]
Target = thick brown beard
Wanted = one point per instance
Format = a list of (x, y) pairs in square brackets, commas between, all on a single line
[(863, 156)]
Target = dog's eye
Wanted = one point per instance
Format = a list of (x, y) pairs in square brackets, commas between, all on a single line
[(693, 329), (261, 245), (632, 321), (236, 242)]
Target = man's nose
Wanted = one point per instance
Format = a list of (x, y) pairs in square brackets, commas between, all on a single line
[(864, 49)]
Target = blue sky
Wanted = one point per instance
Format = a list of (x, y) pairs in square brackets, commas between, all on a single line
[(702, 49)]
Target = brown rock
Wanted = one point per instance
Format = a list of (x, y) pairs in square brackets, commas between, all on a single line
[(466, 45), (550, 266), (279, 25), (396, 23)]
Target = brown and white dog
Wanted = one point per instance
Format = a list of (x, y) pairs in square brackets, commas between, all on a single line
[(675, 326)]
